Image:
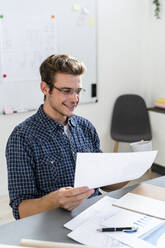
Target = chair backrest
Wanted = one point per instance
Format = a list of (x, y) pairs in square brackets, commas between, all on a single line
[(130, 119)]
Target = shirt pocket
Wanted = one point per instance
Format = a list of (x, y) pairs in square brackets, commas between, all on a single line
[(47, 171), (86, 146)]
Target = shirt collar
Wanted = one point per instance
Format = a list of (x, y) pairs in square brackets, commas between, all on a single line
[(50, 123)]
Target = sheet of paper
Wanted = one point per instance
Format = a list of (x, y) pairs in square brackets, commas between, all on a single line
[(92, 217), (142, 204), (103, 209), (86, 230), (86, 234), (150, 230), (100, 169)]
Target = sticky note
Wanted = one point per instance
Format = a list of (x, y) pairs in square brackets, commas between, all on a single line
[(7, 110), (76, 6), (52, 16), (85, 11), (91, 21), (81, 20)]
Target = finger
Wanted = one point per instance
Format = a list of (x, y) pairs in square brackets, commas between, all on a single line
[(80, 197), (83, 196), (75, 205), (76, 191), (71, 205)]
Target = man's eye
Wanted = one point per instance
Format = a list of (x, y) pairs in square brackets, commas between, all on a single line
[(66, 90)]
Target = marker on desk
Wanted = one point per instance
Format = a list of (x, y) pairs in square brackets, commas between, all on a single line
[(118, 229)]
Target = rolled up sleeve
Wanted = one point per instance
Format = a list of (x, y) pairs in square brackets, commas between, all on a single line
[(21, 178)]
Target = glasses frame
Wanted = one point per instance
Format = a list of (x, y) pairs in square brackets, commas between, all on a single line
[(69, 91)]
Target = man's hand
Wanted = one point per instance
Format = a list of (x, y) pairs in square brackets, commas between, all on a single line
[(69, 198)]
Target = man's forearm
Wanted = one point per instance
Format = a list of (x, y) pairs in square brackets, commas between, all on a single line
[(36, 206), (67, 198)]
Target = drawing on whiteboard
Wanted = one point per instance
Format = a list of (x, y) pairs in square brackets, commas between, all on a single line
[(29, 34), (24, 51)]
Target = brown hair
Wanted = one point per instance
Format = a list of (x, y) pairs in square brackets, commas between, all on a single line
[(59, 63)]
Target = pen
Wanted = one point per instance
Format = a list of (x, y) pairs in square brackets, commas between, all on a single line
[(118, 229)]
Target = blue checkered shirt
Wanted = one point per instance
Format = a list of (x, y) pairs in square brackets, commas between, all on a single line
[(41, 158)]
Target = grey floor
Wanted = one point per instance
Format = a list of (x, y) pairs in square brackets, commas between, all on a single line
[(6, 213)]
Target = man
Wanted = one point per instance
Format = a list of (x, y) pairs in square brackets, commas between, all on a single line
[(41, 151)]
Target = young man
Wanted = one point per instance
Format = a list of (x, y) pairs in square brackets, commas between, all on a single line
[(41, 151)]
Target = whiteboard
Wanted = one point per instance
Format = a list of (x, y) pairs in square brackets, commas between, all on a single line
[(32, 30)]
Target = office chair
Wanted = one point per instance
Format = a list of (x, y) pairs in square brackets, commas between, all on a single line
[(130, 121)]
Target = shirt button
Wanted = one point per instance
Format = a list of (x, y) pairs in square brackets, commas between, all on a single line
[(73, 153), (63, 133)]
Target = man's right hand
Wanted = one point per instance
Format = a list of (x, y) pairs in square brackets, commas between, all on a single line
[(69, 198)]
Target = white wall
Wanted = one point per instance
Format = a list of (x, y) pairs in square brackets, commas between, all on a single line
[(153, 59), (122, 50)]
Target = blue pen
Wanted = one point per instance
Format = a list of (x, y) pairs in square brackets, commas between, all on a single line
[(118, 229)]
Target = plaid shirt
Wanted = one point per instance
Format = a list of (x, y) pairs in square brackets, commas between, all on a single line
[(41, 158)]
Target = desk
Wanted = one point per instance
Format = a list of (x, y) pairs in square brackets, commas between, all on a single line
[(49, 225)]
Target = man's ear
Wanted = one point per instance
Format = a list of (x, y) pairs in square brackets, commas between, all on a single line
[(44, 88)]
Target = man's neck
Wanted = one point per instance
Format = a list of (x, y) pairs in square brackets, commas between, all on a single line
[(54, 115)]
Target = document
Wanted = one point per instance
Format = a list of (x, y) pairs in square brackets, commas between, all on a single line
[(102, 208), (142, 204), (150, 231), (85, 224), (101, 169), (87, 234)]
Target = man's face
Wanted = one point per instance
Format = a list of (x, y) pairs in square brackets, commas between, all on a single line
[(64, 98)]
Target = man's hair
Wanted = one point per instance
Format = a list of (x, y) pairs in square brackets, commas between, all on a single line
[(59, 63)]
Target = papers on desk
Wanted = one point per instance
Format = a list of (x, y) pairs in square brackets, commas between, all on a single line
[(151, 231), (110, 168), (145, 199), (85, 224), (142, 204), (102, 208)]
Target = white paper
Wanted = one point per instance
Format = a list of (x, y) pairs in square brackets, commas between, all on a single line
[(144, 224), (100, 169), (102, 209), (96, 217), (142, 204), (86, 223), (88, 235)]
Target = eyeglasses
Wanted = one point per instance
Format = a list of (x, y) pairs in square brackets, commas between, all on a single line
[(69, 91)]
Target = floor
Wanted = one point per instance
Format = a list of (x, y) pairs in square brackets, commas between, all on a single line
[(6, 213)]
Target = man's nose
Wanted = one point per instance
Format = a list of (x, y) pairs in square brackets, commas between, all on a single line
[(75, 96)]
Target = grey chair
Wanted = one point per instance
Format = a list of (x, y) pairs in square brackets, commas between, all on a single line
[(130, 120)]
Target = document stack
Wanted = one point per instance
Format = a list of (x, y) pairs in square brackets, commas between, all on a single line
[(160, 103)]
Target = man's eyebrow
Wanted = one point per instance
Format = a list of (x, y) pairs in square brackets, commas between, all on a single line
[(69, 88), (66, 88)]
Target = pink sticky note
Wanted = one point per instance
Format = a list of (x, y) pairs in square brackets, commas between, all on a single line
[(8, 110), (85, 11), (81, 20)]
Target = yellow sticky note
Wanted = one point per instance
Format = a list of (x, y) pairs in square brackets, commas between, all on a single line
[(76, 6), (91, 21)]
